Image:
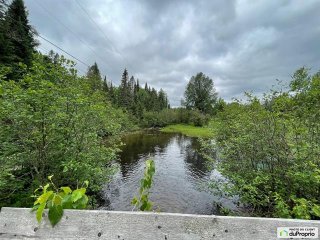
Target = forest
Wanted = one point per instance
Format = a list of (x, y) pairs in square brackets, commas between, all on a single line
[(55, 121)]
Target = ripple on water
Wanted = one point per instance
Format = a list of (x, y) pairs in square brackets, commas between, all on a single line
[(180, 178)]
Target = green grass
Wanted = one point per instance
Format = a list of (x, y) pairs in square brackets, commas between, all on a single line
[(189, 130)]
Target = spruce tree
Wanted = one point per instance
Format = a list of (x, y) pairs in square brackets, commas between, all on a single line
[(124, 93), (21, 35), (105, 85), (6, 51), (137, 86), (132, 83), (94, 77)]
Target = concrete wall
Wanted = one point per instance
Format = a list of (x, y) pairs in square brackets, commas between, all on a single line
[(20, 223)]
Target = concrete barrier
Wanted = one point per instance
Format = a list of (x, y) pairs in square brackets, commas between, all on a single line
[(20, 223)]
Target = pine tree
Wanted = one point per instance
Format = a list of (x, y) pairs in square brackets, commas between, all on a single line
[(137, 86), (132, 83), (162, 99), (105, 85), (112, 95), (20, 33), (6, 50), (124, 93), (94, 77)]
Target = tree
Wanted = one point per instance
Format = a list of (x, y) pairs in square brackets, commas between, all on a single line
[(56, 125), (94, 77), (200, 93), (124, 100), (162, 99), (20, 33), (6, 51)]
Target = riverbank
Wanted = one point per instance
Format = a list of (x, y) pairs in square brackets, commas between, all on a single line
[(189, 130)]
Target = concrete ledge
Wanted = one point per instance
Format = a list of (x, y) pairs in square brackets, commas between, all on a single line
[(20, 223)]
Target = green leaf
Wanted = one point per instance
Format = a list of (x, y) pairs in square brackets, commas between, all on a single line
[(86, 183), (34, 208), (67, 202), (57, 199), (55, 214), (43, 198), (81, 203), (316, 210), (66, 190), (40, 211), (148, 206), (77, 194), (134, 201), (45, 188)]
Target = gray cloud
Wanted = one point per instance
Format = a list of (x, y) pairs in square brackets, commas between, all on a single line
[(242, 45)]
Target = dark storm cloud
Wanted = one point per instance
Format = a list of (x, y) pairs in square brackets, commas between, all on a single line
[(242, 45)]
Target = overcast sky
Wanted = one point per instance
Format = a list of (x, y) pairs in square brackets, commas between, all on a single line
[(242, 45)]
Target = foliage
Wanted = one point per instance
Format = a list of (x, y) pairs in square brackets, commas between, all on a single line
[(136, 100), (52, 123), (57, 199), (270, 150), (142, 201), (17, 42), (94, 77), (200, 94), (188, 130), (174, 116)]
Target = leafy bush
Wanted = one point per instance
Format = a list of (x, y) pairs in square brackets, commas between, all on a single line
[(174, 116), (270, 152), (51, 122), (58, 199)]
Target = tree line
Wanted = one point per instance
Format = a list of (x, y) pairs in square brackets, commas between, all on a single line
[(129, 95)]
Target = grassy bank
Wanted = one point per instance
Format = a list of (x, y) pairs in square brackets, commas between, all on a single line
[(189, 130)]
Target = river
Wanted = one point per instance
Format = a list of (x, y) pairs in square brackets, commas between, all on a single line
[(180, 181)]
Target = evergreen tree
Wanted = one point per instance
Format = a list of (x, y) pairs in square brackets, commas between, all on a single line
[(124, 94), (6, 51), (162, 100), (130, 96), (137, 86), (112, 95), (132, 84), (21, 35), (105, 85), (94, 77)]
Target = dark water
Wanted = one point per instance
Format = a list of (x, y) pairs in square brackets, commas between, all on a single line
[(180, 180)]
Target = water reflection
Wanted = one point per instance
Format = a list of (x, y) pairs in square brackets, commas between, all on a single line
[(180, 174), (138, 145)]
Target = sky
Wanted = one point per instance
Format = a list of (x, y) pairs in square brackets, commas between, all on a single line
[(242, 45)]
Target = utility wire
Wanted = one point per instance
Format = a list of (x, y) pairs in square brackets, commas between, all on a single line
[(102, 32), (69, 54), (70, 30), (53, 44)]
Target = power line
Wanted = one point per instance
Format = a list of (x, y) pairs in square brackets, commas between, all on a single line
[(46, 51), (50, 42), (105, 36), (70, 30), (69, 54)]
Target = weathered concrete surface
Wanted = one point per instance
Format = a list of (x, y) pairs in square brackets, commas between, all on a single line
[(20, 223)]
